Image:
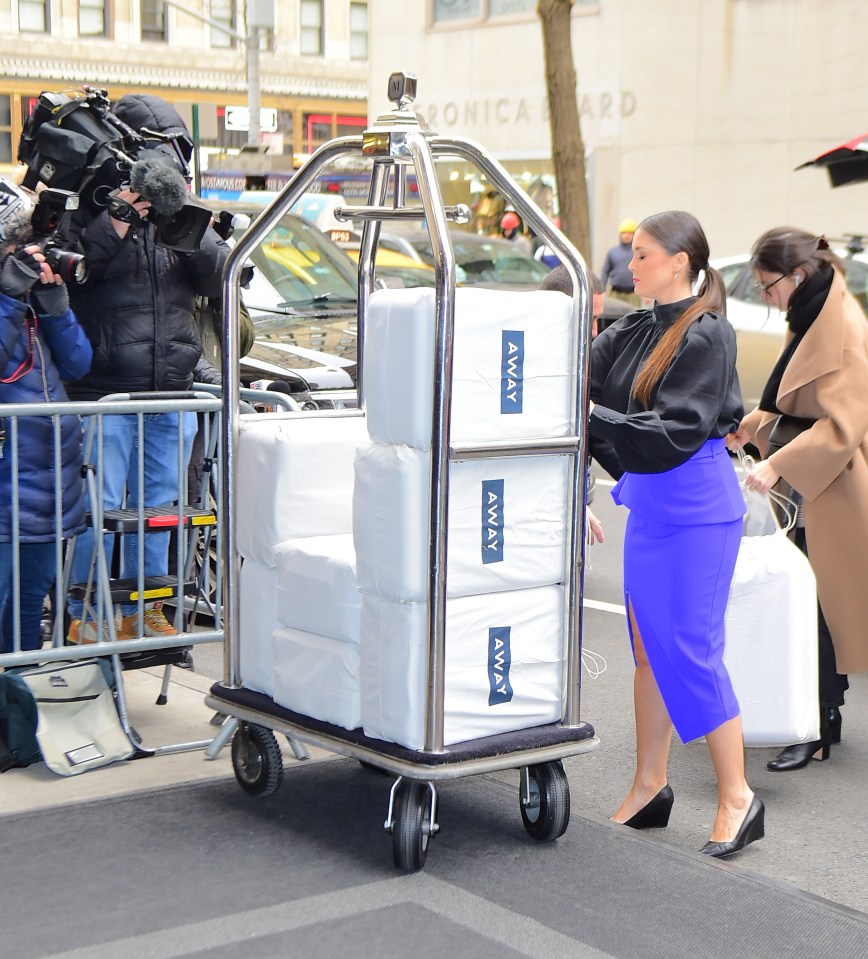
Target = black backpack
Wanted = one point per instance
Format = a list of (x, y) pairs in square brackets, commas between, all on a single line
[(18, 720)]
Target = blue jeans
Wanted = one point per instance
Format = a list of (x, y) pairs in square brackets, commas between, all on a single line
[(37, 571), (120, 473)]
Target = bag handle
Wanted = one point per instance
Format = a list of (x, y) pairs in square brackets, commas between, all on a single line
[(788, 506)]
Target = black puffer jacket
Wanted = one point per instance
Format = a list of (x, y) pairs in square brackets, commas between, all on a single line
[(137, 306), (137, 309)]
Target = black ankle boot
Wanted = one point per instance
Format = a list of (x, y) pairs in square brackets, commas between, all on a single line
[(654, 814), (833, 718), (799, 755)]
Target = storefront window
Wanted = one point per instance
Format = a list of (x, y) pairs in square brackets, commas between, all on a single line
[(5, 128)]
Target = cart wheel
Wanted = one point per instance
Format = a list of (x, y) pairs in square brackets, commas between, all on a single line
[(411, 825), (256, 760), (546, 815)]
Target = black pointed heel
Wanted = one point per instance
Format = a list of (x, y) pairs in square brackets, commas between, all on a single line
[(833, 718), (751, 829), (654, 814)]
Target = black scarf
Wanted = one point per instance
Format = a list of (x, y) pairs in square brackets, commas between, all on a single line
[(805, 306)]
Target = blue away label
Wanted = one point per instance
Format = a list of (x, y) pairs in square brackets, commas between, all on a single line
[(492, 521), (499, 661), (511, 371)]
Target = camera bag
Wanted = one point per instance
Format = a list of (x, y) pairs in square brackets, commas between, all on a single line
[(79, 727), (18, 745)]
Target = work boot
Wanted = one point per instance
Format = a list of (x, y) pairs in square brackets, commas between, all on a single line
[(155, 623)]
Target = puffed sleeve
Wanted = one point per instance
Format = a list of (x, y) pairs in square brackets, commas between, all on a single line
[(813, 460), (686, 406)]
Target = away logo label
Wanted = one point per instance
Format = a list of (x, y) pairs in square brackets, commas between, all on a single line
[(492, 521), (512, 371), (499, 661)]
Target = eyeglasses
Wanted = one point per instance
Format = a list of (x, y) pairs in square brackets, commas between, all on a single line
[(762, 288)]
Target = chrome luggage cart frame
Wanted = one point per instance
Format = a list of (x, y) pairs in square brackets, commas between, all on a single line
[(397, 140)]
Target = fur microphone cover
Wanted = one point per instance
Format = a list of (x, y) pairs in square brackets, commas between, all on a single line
[(158, 182)]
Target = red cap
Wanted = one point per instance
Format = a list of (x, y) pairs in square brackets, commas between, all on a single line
[(510, 221)]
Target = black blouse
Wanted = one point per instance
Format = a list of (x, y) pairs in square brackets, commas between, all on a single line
[(697, 398)]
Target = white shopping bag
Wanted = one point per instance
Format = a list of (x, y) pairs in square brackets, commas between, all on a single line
[(771, 642)]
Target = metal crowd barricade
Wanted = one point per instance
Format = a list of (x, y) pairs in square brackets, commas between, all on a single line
[(101, 589), (396, 142)]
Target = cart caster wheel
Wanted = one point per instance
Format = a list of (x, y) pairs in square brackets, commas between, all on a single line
[(545, 811), (411, 825), (256, 760)]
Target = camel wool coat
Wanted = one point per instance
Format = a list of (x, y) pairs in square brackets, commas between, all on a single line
[(827, 380)]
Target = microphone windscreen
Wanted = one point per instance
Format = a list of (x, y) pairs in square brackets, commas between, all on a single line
[(158, 183)]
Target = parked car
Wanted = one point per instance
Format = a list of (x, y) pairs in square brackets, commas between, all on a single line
[(396, 269), (481, 260), (759, 327), (302, 298)]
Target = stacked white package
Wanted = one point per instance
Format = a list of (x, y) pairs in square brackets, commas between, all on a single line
[(317, 591), (295, 479), (317, 676), (257, 601), (511, 372), (503, 667), (507, 522)]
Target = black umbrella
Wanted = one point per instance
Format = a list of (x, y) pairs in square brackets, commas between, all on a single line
[(847, 163)]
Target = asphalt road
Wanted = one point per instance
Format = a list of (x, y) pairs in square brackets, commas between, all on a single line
[(815, 834)]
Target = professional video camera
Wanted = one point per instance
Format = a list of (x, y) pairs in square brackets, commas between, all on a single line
[(50, 221), (75, 143)]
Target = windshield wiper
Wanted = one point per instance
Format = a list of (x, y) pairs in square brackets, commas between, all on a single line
[(319, 299)]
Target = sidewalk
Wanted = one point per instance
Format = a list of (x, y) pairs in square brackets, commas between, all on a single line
[(184, 719)]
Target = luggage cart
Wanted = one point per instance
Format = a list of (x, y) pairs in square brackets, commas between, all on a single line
[(397, 140)]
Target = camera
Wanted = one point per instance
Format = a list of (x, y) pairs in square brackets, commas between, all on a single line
[(402, 89), (76, 144), (49, 222)]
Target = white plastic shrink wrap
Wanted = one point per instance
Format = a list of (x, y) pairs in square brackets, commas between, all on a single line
[(503, 665), (511, 365)]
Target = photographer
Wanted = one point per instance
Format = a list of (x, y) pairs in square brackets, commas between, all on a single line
[(137, 307), (40, 344)]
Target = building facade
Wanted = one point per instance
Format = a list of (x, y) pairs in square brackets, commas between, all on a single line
[(312, 63), (704, 105)]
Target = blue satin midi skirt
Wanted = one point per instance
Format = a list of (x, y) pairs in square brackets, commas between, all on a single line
[(680, 548)]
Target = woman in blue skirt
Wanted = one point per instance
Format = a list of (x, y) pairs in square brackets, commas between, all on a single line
[(665, 393)]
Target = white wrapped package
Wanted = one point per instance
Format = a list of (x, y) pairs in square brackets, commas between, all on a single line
[(511, 374), (294, 478), (317, 590), (504, 655), (771, 642), (507, 523), (317, 676), (257, 602)]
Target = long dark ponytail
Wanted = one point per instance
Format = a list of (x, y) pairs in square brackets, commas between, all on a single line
[(679, 232)]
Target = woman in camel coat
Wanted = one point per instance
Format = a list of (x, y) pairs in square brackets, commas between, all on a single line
[(821, 378)]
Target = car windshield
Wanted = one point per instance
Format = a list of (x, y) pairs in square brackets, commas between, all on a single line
[(485, 260), (297, 266)]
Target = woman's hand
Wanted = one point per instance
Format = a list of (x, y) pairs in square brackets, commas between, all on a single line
[(762, 477), (594, 529), (737, 440)]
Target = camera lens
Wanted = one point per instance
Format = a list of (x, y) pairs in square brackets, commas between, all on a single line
[(70, 267)]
